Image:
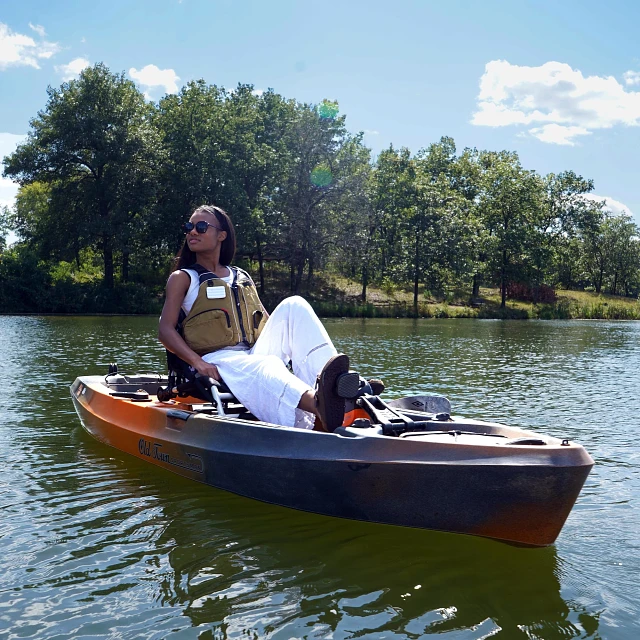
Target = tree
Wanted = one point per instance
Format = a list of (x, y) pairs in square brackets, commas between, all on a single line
[(322, 162), (621, 252), (194, 168), (49, 236), (95, 146), (565, 214), (257, 153), (227, 148), (510, 207), (595, 254), (441, 225), (4, 227), (392, 197), (468, 179)]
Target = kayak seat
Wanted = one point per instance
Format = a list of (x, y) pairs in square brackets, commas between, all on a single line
[(186, 382)]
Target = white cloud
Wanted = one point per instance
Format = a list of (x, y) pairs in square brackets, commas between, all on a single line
[(558, 134), (257, 92), (371, 132), (564, 102), (151, 77), (17, 49), (73, 69), (631, 77), (38, 28), (614, 207)]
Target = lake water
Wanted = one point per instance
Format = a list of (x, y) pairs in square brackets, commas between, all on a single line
[(97, 544)]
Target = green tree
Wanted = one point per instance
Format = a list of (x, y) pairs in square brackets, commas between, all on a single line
[(5, 214), (393, 197), (468, 179), (511, 208), (322, 162), (191, 126), (595, 253), (623, 259), (257, 153), (95, 145), (227, 148), (51, 237), (441, 226), (565, 214)]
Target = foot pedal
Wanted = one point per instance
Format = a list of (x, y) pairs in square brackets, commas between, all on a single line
[(348, 384)]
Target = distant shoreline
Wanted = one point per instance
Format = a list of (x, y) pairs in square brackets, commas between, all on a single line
[(340, 301)]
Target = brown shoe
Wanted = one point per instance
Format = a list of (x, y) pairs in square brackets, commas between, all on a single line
[(330, 404), (317, 425), (377, 386)]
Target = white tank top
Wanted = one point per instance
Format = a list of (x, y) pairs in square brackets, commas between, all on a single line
[(192, 292)]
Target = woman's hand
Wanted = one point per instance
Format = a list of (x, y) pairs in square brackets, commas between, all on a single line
[(208, 370)]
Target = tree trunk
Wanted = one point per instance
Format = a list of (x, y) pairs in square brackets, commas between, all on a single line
[(475, 292), (599, 281), (107, 254), (260, 264), (125, 266), (503, 280), (107, 247), (365, 282), (310, 273), (299, 272), (416, 279)]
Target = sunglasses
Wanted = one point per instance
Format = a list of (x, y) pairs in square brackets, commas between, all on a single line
[(201, 226)]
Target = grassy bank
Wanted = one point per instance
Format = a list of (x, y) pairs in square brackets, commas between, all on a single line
[(341, 299), (576, 305)]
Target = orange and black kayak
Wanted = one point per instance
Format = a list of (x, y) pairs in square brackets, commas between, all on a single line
[(418, 468)]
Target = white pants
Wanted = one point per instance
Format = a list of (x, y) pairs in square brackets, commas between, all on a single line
[(259, 377)]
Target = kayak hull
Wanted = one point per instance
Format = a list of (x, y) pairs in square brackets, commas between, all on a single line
[(516, 494)]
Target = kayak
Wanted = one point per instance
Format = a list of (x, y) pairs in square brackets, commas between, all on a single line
[(411, 463)]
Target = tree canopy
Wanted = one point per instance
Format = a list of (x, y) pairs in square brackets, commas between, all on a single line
[(107, 177)]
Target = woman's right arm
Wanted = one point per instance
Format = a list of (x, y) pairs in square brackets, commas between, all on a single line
[(177, 287)]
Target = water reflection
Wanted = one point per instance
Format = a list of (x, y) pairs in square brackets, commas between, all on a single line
[(97, 543), (243, 567)]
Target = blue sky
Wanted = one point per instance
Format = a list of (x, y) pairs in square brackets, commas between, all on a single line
[(557, 82)]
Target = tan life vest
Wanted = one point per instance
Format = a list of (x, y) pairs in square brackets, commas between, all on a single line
[(223, 315)]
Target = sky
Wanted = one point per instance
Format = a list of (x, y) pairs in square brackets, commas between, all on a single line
[(558, 82)]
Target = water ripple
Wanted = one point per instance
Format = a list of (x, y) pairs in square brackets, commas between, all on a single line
[(94, 543)]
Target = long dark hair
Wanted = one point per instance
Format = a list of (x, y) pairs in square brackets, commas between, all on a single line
[(186, 257)]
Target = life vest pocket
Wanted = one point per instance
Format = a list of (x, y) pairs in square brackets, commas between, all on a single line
[(208, 331), (259, 321), (253, 317)]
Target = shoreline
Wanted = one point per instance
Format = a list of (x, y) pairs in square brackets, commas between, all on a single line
[(510, 314), (339, 302)]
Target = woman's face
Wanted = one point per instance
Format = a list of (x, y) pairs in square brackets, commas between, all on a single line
[(212, 237)]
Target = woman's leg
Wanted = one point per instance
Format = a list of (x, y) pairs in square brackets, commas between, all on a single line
[(294, 333), (264, 385)]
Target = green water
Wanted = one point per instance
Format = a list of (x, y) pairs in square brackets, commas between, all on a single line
[(97, 544)]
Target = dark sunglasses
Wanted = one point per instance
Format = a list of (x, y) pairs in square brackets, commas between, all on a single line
[(201, 226)]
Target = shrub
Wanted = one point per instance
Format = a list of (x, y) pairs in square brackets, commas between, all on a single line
[(508, 313), (541, 293), (559, 311)]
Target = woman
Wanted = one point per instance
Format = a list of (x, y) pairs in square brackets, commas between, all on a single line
[(227, 334)]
